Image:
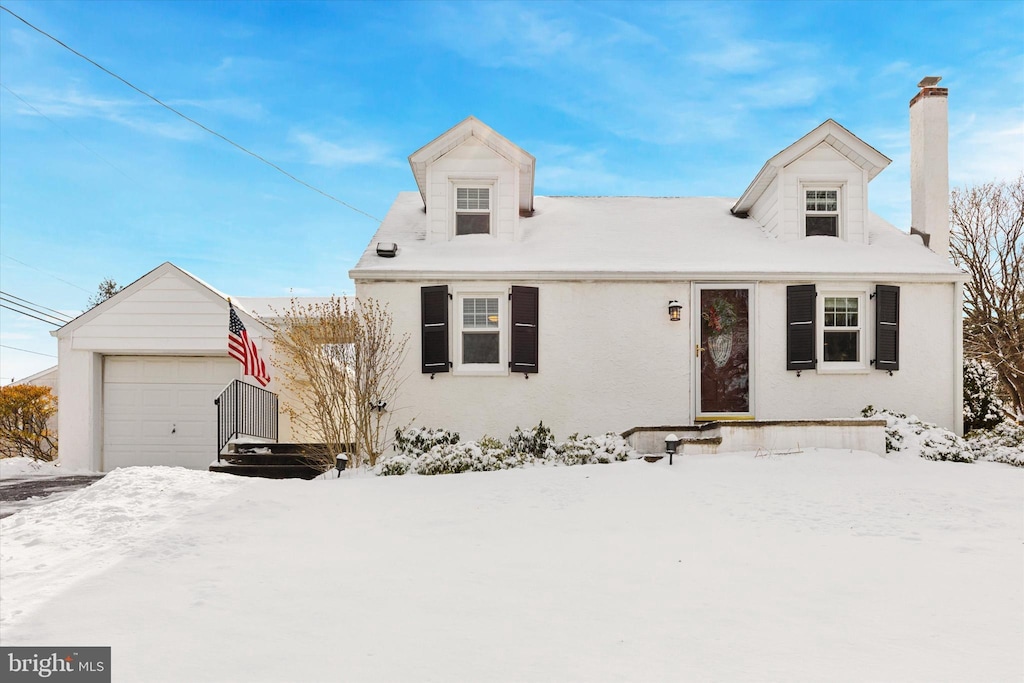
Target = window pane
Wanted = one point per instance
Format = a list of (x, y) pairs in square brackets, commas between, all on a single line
[(480, 313), (823, 225), (841, 346), (480, 347), (473, 224), (473, 198), (841, 311), (822, 200)]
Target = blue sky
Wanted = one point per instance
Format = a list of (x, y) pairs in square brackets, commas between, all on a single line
[(682, 98)]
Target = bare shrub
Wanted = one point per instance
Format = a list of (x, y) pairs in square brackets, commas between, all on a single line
[(339, 360)]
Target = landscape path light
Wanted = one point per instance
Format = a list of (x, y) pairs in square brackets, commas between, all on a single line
[(671, 444)]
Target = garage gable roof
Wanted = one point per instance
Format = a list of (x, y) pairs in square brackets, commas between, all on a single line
[(152, 276)]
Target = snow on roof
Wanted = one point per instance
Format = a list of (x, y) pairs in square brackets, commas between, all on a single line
[(639, 238), (273, 307)]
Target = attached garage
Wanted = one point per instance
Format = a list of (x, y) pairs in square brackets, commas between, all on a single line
[(158, 410), (139, 374)]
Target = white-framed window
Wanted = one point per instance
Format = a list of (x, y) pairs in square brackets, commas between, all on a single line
[(472, 210), (842, 332), (822, 210), (481, 337)]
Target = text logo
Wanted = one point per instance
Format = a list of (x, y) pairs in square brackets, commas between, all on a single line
[(78, 664)]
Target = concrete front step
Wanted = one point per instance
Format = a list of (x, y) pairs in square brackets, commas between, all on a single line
[(701, 438), (763, 435)]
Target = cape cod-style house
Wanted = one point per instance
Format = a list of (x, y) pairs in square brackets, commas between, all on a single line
[(787, 310), (792, 302)]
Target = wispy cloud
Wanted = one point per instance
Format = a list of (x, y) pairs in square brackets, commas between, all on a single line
[(233, 107), (505, 34), (695, 79), (323, 152), (134, 113), (570, 171), (72, 103), (986, 147)]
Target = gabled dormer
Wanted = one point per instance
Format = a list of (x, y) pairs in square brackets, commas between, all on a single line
[(818, 186), (473, 182)]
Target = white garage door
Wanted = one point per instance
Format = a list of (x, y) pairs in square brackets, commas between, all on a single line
[(158, 410)]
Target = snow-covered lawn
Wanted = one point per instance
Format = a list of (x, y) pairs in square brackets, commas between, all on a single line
[(820, 566)]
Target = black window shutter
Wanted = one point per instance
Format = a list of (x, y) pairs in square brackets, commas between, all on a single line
[(434, 315), (525, 314), (800, 313), (887, 327)]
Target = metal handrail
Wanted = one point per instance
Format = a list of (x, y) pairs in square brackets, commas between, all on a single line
[(245, 410)]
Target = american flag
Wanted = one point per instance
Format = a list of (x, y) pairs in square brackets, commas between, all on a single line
[(243, 349)]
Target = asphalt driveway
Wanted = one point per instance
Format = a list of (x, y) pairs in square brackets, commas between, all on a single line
[(18, 493)]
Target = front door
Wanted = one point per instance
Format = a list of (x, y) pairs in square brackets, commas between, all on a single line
[(723, 351)]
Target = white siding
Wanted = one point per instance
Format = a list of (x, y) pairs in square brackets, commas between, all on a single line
[(766, 210), (170, 314), (824, 165), (472, 160)]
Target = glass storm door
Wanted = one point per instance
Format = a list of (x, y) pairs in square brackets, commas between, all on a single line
[(723, 351)]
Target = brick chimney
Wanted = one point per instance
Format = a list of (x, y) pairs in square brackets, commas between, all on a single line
[(929, 165)]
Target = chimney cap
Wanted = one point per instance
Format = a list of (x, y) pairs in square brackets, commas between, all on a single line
[(929, 81)]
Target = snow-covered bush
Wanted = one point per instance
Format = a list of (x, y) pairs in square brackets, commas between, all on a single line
[(537, 442), (464, 457), (1003, 443), (908, 433), (414, 441), (982, 407), (396, 464), (438, 451), (587, 450)]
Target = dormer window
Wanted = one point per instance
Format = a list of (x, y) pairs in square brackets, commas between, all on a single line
[(472, 210), (821, 212)]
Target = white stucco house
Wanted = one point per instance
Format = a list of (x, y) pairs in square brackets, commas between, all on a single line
[(793, 303), (593, 314)]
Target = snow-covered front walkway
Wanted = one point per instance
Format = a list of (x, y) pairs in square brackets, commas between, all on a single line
[(822, 565)]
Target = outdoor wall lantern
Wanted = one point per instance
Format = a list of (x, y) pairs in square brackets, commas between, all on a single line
[(674, 311), (671, 444), (387, 249)]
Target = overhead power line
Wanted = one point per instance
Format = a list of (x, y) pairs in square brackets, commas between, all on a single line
[(33, 313), (15, 348), (29, 265), (28, 315), (85, 146), (49, 317), (189, 119), (60, 314)]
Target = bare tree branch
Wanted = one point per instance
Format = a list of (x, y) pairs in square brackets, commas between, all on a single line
[(987, 242), (340, 363)]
